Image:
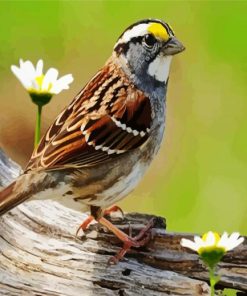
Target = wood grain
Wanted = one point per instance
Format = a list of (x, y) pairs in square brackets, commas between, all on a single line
[(40, 255)]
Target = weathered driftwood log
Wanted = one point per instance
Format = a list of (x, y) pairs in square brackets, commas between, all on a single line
[(40, 255)]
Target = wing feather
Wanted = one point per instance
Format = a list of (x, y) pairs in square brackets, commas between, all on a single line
[(110, 116)]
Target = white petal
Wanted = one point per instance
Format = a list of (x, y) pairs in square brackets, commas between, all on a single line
[(50, 78), (199, 242), (29, 70), (188, 244), (21, 76), (234, 240), (39, 68), (29, 73), (66, 80), (223, 240), (210, 239), (235, 243), (62, 83), (234, 236), (21, 63)]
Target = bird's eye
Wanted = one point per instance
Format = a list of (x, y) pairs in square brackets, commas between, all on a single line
[(149, 40)]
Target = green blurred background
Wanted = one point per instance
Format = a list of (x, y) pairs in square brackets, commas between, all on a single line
[(198, 181)]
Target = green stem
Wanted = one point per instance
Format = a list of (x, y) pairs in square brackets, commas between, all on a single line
[(38, 125), (213, 280)]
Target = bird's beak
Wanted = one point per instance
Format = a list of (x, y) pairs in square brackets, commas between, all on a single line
[(173, 46)]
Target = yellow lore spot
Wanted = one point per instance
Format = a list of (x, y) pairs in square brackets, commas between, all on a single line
[(158, 31)]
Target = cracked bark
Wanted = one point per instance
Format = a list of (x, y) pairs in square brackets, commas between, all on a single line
[(40, 255)]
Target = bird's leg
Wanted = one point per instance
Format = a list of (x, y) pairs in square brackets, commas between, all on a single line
[(138, 241), (90, 218)]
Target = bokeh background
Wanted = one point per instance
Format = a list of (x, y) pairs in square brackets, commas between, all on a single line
[(199, 179)]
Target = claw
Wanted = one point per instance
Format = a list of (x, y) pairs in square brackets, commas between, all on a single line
[(84, 224), (113, 209), (126, 247), (138, 241)]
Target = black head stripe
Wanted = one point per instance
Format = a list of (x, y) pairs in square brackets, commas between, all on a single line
[(123, 47), (169, 29)]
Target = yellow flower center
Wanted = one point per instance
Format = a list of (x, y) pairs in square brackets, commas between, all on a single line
[(212, 253), (216, 237), (213, 247), (39, 80)]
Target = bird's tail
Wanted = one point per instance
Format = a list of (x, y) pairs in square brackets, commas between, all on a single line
[(22, 189), (9, 199)]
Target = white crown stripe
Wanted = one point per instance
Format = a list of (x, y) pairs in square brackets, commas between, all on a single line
[(136, 31)]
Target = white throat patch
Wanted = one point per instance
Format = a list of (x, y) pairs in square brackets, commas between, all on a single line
[(159, 68)]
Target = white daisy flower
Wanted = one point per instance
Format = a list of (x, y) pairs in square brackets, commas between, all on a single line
[(212, 240), (41, 87), (211, 247), (33, 79)]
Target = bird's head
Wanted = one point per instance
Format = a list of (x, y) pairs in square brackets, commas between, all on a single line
[(145, 49)]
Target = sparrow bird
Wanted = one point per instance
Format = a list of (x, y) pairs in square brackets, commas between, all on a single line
[(100, 146)]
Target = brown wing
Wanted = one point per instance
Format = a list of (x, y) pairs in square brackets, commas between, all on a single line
[(107, 118)]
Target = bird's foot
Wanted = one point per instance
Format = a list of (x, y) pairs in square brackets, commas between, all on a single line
[(137, 241), (84, 224), (113, 210), (107, 213)]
